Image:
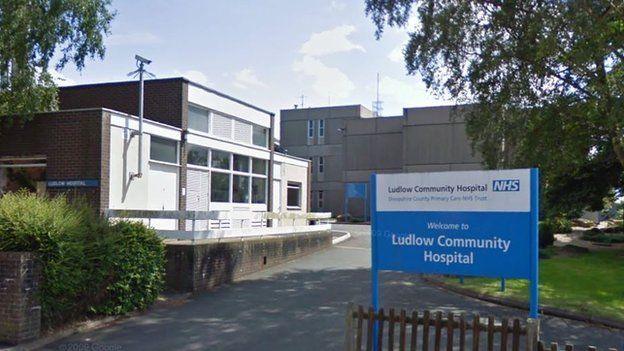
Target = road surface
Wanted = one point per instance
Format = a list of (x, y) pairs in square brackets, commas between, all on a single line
[(301, 306)]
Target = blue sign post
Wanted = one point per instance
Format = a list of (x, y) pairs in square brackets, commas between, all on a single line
[(469, 223)]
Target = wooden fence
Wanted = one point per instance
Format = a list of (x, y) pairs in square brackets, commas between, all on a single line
[(437, 331)]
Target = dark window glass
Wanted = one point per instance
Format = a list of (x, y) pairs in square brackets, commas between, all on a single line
[(197, 155), (241, 163), (164, 150), (199, 119), (259, 166), (220, 159), (240, 189), (260, 136), (258, 190), (293, 195), (219, 187)]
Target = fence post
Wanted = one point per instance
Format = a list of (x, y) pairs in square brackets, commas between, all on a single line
[(532, 328), (349, 328)]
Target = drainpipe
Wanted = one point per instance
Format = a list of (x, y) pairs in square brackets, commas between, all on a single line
[(271, 166)]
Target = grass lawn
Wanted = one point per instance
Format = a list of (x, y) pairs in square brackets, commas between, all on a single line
[(591, 283)]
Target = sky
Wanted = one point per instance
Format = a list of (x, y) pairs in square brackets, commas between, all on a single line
[(267, 52)]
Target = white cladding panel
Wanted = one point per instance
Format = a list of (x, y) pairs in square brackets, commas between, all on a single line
[(197, 189), (242, 132), (471, 191), (211, 100), (163, 192), (221, 126)]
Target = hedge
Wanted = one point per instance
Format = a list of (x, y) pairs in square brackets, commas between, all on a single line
[(89, 266)]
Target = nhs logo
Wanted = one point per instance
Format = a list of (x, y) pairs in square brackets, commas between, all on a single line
[(506, 185)]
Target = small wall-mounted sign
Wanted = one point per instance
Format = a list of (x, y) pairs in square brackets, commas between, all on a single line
[(75, 183)]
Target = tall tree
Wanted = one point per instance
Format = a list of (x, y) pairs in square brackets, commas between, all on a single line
[(546, 79), (32, 33)]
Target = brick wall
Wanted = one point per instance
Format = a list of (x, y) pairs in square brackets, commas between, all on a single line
[(73, 143), (20, 312), (164, 98), (206, 265)]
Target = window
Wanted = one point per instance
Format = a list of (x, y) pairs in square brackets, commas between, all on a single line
[(258, 190), (241, 163), (164, 150), (310, 129), (221, 126), (197, 155), (321, 128), (320, 199), (321, 164), (242, 131), (293, 194), (240, 189), (259, 166), (219, 187), (199, 119), (220, 159), (260, 136)]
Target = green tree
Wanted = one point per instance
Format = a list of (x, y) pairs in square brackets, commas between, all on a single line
[(32, 33), (545, 78)]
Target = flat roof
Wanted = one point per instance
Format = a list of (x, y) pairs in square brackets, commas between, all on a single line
[(186, 80)]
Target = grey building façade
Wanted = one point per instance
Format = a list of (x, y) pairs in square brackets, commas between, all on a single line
[(348, 143)]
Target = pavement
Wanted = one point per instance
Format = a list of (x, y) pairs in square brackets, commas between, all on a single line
[(301, 306)]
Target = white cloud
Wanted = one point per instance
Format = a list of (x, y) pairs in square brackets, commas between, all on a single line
[(193, 75), (330, 41), (408, 92), (337, 5), (133, 39), (327, 80), (246, 78), (396, 55), (60, 79)]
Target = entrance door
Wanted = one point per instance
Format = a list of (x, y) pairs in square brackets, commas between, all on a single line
[(163, 193)]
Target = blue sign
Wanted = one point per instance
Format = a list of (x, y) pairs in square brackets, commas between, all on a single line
[(355, 190), (472, 223), (78, 183)]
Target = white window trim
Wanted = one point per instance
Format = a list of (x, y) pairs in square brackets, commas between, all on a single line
[(321, 129), (298, 186), (310, 129)]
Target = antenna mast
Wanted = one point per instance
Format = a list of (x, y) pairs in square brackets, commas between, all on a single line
[(377, 104)]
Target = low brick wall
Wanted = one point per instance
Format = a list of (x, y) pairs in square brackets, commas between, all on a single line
[(206, 264), (20, 312)]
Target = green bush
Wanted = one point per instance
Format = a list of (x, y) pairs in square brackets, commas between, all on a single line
[(561, 225), (546, 233), (604, 237), (132, 260), (88, 265)]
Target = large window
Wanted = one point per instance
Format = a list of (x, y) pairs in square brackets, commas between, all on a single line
[(197, 155), (321, 128), (310, 128), (199, 119), (241, 163), (164, 150), (220, 159), (258, 190), (240, 189), (293, 195), (260, 136), (219, 187)]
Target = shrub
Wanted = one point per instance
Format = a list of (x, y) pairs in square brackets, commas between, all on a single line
[(88, 265), (561, 225), (132, 260), (546, 233)]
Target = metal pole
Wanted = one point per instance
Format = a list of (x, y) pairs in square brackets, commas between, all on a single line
[(534, 285), (271, 176), (141, 86), (374, 269)]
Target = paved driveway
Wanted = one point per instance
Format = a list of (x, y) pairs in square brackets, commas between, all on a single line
[(301, 306)]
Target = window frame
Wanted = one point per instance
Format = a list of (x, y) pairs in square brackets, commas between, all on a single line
[(321, 128), (299, 187), (177, 150), (321, 164), (310, 128), (320, 200)]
